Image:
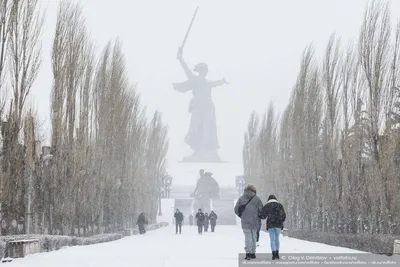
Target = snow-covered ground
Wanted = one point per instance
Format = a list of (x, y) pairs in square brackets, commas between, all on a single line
[(162, 248)]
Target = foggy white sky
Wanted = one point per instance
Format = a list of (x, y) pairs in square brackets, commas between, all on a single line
[(255, 44)]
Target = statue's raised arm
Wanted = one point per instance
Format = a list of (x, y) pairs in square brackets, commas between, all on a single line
[(188, 72)]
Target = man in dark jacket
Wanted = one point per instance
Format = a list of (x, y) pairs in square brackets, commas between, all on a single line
[(248, 207), (213, 220), (275, 214), (178, 221), (200, 221), (141, 221)]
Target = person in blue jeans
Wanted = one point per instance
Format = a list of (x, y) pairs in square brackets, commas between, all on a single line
[(248, 209), (275, 214)]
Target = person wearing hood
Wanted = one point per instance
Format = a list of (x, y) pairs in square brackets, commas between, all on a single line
[(275, 214), (248, 207), (213, 220), (178, 221), (141, 221), (200, 221)]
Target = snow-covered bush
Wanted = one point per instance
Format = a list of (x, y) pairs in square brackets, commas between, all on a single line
[(378, 244), (56, 242)]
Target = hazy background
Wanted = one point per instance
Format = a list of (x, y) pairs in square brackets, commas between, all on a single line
[(255, 44)]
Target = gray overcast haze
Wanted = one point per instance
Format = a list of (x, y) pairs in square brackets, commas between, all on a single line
[(255, 44)]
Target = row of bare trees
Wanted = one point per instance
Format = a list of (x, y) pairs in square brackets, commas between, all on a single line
[(333, 155), (106, 158)]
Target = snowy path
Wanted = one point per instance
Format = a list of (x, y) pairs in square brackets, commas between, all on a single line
[(162, 248)]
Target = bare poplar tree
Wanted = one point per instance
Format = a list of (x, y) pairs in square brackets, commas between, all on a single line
[(24, 46), (327, 187), (4, 24), (21, 24)]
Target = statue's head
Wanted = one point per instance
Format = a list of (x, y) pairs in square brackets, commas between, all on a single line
[(201, 69), (201, 172)]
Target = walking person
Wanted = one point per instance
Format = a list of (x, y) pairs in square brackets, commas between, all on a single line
[(200, 221), (191, 220), (213, 220), (141, 221), (206, 222), (178, 221), (275, 214), (248, 208)]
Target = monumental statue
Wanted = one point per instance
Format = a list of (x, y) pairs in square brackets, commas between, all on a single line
[(207, 188), (202, 136)]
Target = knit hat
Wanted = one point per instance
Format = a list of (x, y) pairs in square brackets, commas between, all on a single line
[(252, 188), (271, 197)]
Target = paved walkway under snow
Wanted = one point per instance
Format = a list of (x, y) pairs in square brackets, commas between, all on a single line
[(162, 248)]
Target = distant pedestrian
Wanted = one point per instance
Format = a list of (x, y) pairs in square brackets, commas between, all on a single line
[(200, 221), (178, 221), (213, 220), (275, 214), (206, 222), (191, 220), (141, 222), (248, 207)]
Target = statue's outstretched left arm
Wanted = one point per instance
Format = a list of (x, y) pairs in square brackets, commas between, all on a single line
[(218, 82)]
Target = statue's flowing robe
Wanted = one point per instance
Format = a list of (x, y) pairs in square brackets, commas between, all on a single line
[(202, 134)]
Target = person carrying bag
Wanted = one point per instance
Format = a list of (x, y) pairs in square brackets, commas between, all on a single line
[(247, 208)]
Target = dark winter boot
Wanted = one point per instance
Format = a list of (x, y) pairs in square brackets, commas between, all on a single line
[(277, 254), (248, 256), (253, 255), (274, 255)]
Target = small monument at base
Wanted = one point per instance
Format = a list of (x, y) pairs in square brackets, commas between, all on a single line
[(207, 188)]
